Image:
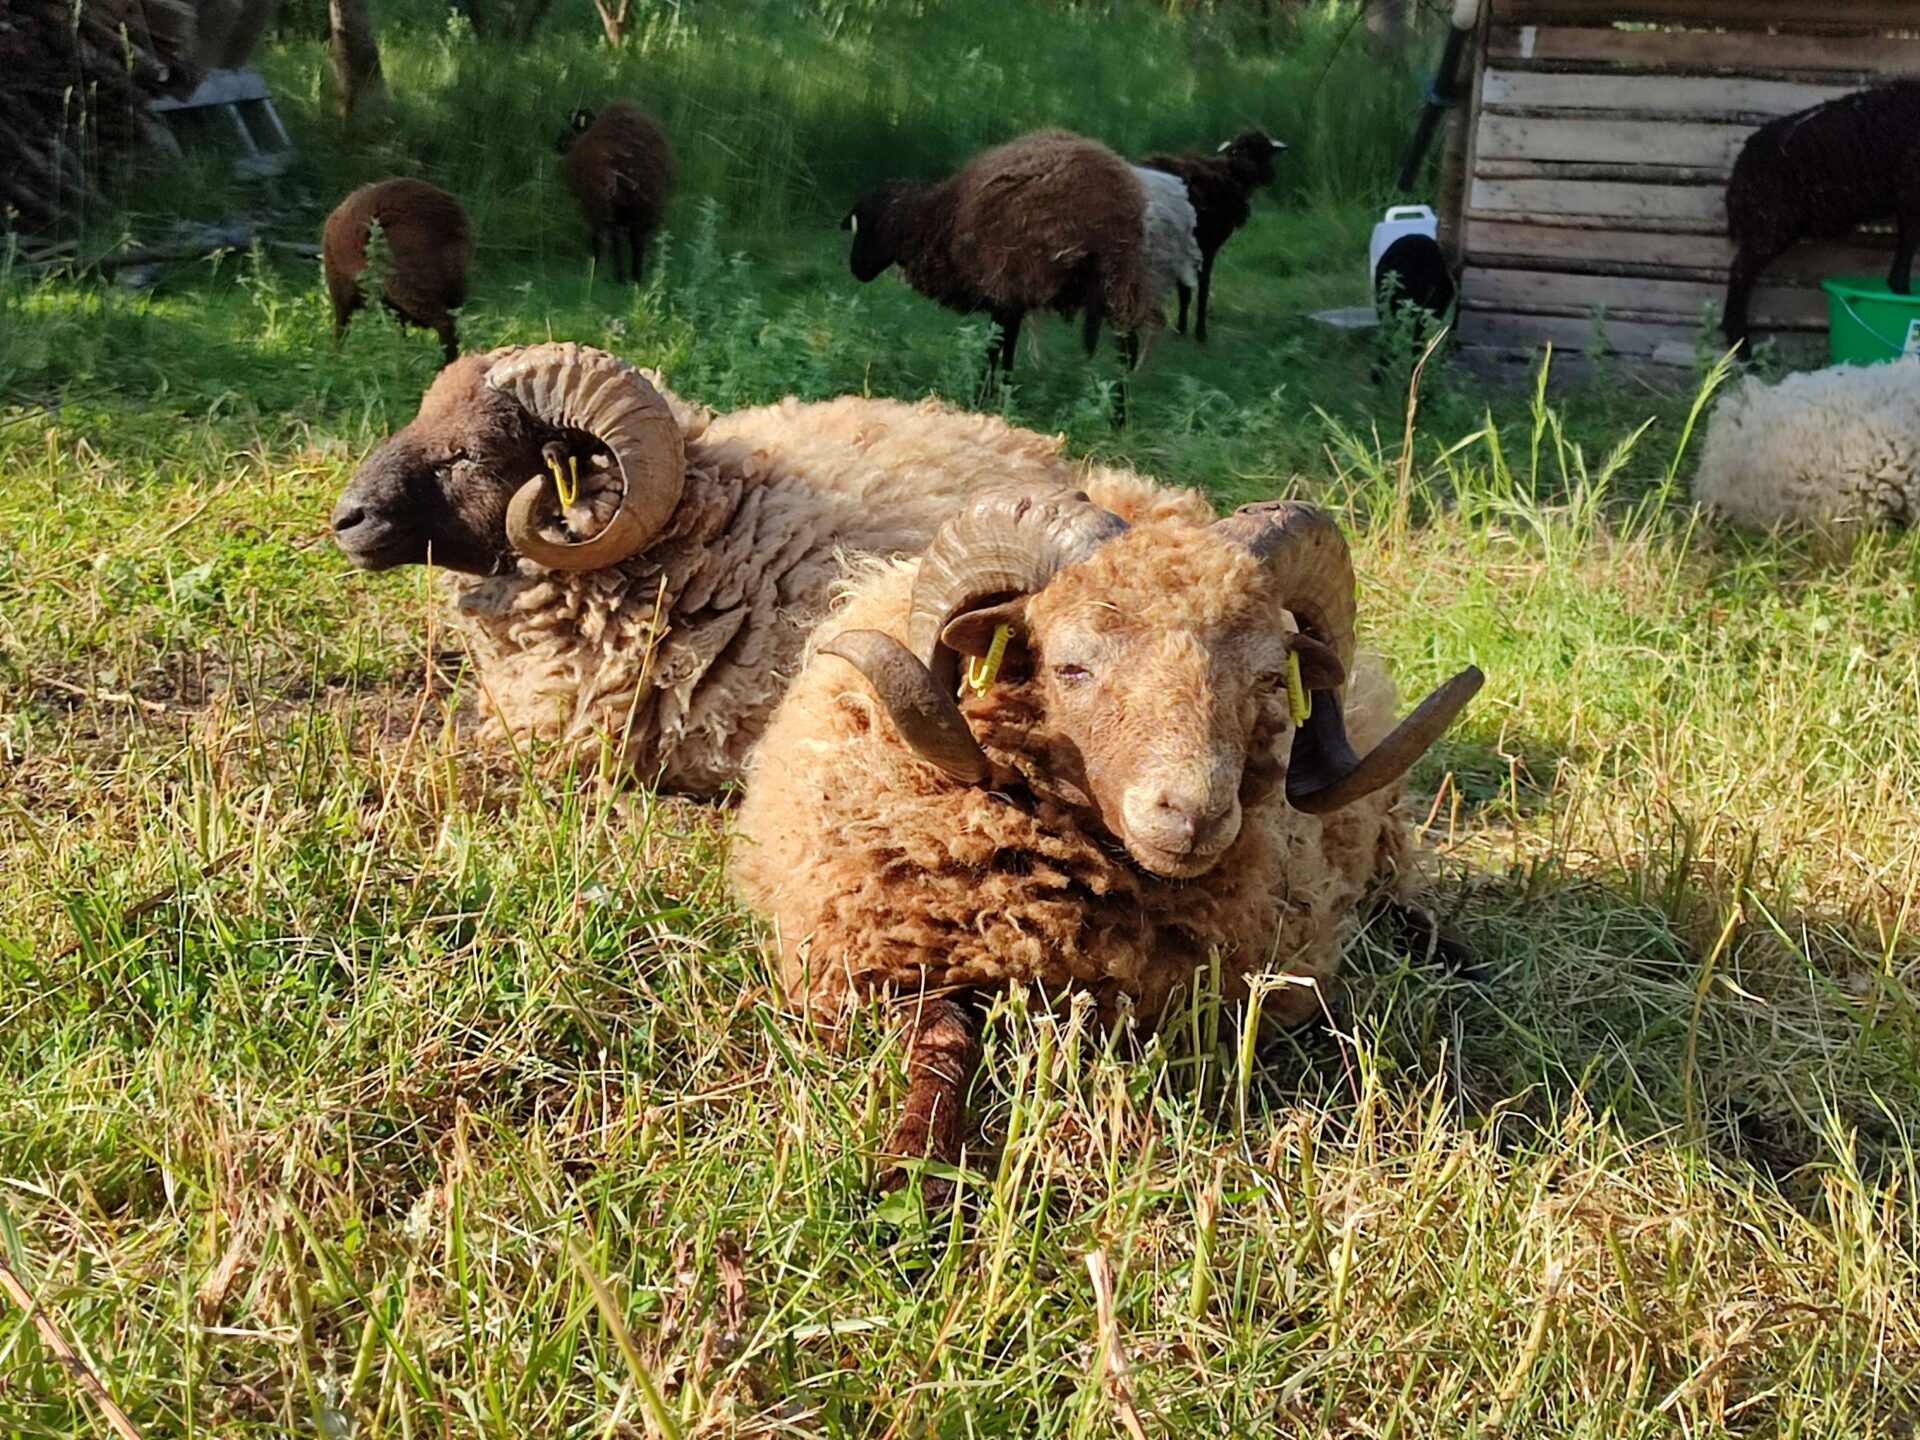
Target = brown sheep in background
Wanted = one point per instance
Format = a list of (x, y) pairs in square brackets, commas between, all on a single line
[(1051, 221), (621, 167), (429, 244)]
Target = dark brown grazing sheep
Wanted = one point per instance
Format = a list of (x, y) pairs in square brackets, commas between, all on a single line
[(429, 243), (1819, 173), (1051, 221), (1221, 186), (621, 168)]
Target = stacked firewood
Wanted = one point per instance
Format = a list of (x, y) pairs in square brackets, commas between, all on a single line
[(77, 81)]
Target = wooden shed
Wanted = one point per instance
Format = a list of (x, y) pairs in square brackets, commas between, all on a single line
[(1598, 145)]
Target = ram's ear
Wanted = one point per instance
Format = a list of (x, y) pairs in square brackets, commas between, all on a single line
[(1320, 668), (972, 633)]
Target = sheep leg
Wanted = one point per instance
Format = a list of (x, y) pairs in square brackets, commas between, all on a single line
[(1000, 351), (449, 341), (1905, 239), (1129, 362), (1747, 265), (637, 253), (943, 1051), (1009, 323), (1186, 295), (1200, 305)]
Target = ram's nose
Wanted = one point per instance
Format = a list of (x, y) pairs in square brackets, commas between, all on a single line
[(1178, 819), (346, 515)]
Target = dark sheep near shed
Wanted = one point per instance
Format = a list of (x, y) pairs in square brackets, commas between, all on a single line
[(1414, 283), (429, 244), (1221, 186), (621, 167), (1819, 174)]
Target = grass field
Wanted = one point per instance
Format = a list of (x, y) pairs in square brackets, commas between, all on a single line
[(356, 1082)]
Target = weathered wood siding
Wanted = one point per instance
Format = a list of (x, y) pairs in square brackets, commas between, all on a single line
[(1601, 138)]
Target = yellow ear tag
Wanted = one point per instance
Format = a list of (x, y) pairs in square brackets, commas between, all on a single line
[(982, 669), (566, 482), (1298, 701)]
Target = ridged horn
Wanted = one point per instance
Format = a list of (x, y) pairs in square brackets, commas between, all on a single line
[(922, 710), (572, 387), (1303, 544), (1002, 546), (997, 550)]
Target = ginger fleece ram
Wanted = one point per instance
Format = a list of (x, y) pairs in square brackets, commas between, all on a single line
[(711, 542), (1126, 797), (1833, 446)]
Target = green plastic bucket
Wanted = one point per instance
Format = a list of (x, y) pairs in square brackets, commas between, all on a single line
[(1868, 323)]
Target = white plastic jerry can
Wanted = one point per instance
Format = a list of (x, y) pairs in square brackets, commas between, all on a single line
[(1401, 220)]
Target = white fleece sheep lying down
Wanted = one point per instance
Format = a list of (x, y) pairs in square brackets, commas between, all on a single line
[(1841, 444)]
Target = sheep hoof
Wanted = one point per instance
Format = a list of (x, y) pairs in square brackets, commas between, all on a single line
[(913, 1138)]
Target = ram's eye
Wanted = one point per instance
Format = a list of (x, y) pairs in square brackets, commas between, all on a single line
[(1072, 674)]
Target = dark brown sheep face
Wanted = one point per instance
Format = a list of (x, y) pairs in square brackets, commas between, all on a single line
[(1252, 154), (438, 490), (1174, 697), (871, 224)]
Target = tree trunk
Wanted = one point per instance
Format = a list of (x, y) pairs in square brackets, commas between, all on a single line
[(357, 80)]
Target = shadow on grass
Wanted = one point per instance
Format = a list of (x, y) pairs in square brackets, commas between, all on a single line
[(1761, 1039)]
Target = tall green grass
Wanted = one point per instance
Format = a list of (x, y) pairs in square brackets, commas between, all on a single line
[(784, 113)]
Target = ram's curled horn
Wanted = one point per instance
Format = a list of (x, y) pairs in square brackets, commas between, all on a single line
[(996, 551), (922, 710), (1303, 544), (571, 387)]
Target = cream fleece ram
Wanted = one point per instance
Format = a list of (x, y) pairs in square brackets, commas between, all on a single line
[(677, 657), (1824, 446), (881, 873)]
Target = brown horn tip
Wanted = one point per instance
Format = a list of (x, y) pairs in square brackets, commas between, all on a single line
[(924, 714), (1335, 777)]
